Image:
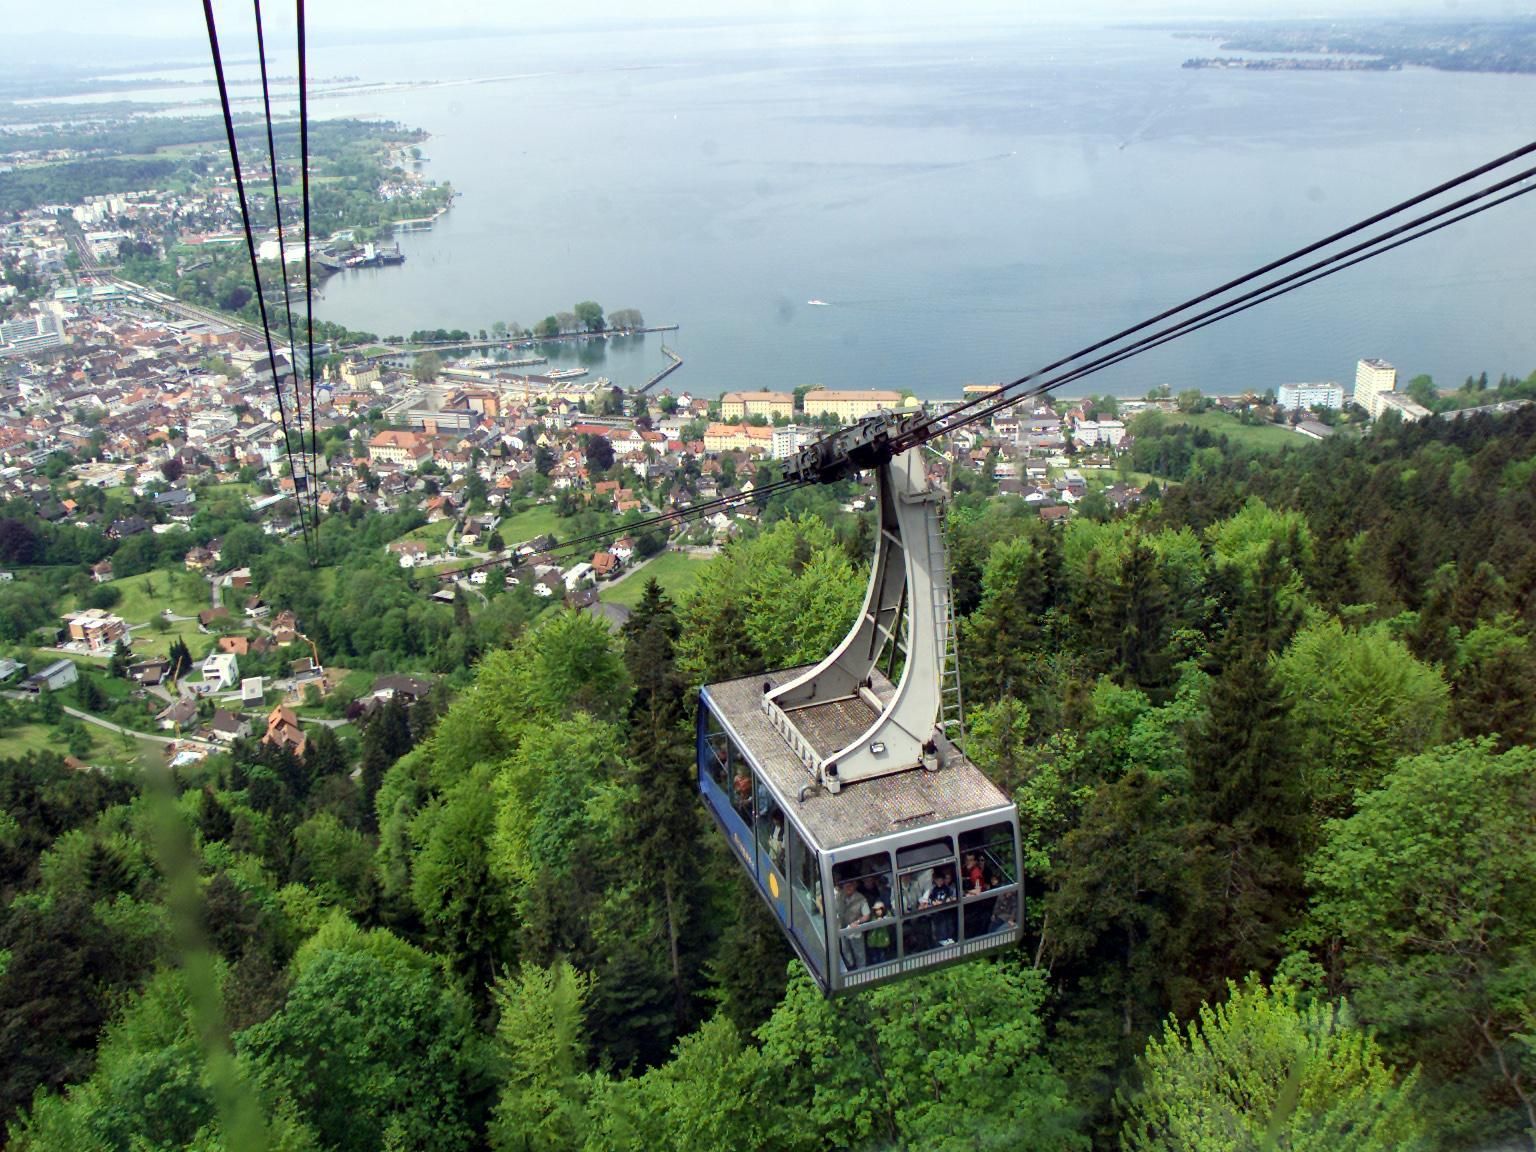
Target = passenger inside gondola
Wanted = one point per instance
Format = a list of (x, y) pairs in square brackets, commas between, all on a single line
[(741, 791), (975, 875), (852, 910), (880, 938)]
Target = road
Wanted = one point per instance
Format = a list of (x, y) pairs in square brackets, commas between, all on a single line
[(137, 735), (111, 727)]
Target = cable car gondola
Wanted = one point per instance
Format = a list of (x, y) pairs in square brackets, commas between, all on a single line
[(880, 848)]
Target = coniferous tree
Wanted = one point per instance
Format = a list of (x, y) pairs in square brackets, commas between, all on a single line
[(1128, 619), (121, 659), (180, 658), (386, 738), (1247, 787), (653, 972)]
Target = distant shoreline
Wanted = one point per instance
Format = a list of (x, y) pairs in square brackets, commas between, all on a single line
[(1363, 45)]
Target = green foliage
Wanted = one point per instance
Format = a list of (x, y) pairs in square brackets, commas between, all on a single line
[(541, 1040), (782, 599), (589, 314), (1429, 894), (73, 181), (426, 366), (1264, 1071), (466, 911), (717, 1091), (372, 1045), (1359, 700), (950, 1060)]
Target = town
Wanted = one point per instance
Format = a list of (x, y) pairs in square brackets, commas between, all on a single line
[(125, 419)]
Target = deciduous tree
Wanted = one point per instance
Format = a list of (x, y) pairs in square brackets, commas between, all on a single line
[(1264, 1071)]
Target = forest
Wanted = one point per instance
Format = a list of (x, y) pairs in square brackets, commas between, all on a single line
[(1269, 734)]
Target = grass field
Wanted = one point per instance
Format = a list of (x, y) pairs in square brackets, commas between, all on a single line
[(106, 747), (432, 535), (151, 642), (537, 521), (676, 572), (143, 598), (145, 595), (1265, 437)]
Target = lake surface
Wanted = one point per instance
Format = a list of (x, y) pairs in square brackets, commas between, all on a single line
[(970, 204)]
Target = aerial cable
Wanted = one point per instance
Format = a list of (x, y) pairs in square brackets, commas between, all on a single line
[(1365, 250), (301, 484), (1402, 206), (943, 424), (309, 287), (1234, 308), (250, 239)]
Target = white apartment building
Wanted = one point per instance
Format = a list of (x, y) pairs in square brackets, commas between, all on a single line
[(1373, 379), (1324, 394), (1093, 432), (790, 438)]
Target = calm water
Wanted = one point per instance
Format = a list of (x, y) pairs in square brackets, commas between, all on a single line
[(970, 206)]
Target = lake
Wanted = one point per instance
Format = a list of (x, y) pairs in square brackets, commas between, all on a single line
[(969, 203)]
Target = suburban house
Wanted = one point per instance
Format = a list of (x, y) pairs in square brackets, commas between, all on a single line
[(408, 689), (283, 731), (180, 715), (221, 670), (305, 669), (59, 674), (227, 727), (149, 671)]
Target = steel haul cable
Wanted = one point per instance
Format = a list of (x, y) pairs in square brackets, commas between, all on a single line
[(309, 287), (1356, 254), (250, 240), (1273, 265), (301, 483)]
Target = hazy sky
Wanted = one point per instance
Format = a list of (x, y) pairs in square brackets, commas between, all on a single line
[(178, 19)]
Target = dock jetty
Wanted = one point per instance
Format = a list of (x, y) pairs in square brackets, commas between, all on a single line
[(676, 363)]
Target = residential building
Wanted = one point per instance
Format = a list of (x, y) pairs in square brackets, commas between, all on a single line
[(228, 727), (96, 628), (790, 438), (849, 405), (1399, 402), (283, 731), (737, 438), (29, 334), (1373, 379), (221, 670), (770, 405), (1088, 433), (59, 674), (409, 689), (1323, 394), (181, 714), (405, 449)]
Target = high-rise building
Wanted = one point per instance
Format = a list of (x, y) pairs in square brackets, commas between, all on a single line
[(1373, 379)]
